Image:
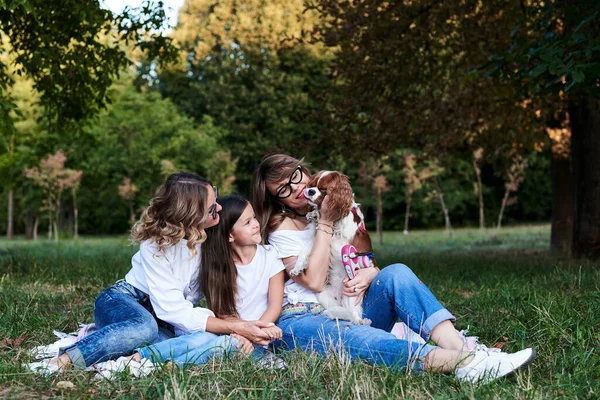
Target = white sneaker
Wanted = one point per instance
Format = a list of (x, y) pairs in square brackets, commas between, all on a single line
[(487, 366), (44, 367)]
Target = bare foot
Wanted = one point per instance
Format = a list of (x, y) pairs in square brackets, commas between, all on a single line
[(63, 361)]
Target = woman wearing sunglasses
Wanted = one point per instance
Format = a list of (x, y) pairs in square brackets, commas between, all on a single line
[(156, 299)]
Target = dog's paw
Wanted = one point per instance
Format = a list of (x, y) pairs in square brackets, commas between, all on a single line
[(296, 271), (364, 321)]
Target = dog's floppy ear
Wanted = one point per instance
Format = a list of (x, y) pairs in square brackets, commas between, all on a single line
[(340, 195)]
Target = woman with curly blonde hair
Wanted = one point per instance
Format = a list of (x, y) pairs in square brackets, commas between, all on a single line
[(156, 299)]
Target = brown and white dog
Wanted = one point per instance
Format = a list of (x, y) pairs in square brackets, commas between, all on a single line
[(348, 228)]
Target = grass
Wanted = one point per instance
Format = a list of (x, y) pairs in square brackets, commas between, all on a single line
[(501, 286)]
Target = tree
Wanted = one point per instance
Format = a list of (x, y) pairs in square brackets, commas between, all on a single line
[(127, 190), (73, 49), (53, 178), (414, 179), (514, 178), (555, 52), (403, 74), (143, 137), (562, 202), (477, 158), (381, 186), (243, 67)]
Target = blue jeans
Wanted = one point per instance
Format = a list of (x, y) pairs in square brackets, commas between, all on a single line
[(396, 292), (124, 320), (195, 348)]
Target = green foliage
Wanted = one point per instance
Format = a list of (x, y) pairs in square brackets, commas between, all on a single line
[(73, 49), (133, 139), (402, 74), (555, 46), (261, 98)]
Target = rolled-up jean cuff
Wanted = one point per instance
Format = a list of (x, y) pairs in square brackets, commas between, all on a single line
[(434, 320), (145, 352), (75, 355), (417, 361)]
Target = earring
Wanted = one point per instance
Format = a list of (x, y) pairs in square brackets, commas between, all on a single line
[(283, 208)]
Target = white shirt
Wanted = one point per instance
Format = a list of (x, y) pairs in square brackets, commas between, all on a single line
[(290, 243), (170, 279), (252, 281)]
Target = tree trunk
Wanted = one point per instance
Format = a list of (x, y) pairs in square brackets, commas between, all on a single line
[(407, 215), (35, 227), (75, 216), (29, 222), (584, 113), (10, 222), (561, 236), (50, 225), (131, 214), (379, 215), (480, 195), (502, 207), (449, 230)]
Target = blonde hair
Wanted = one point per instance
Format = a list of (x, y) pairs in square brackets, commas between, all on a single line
[(269, 211), (177, 211)]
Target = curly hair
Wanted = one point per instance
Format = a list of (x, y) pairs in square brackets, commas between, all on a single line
[(176, 212)]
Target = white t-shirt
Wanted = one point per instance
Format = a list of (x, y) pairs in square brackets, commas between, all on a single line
[(252, 281), (290, 243), (170, 279)]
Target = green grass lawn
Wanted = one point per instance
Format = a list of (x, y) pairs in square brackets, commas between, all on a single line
[(500, 286)]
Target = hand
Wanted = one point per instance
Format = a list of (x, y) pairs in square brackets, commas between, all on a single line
[(253, 331), (246, 347), (358, 286), (274, 332), (325, 214)]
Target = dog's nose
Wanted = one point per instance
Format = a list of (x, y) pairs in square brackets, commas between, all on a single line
[(311, 192)]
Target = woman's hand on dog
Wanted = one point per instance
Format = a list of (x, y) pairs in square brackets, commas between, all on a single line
[(358, 286), (325, 212)]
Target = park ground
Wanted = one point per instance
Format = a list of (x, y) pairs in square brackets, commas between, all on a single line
[(505, 287)]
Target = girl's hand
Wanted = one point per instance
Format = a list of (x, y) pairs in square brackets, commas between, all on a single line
[(358, 286), (253, 331), (246, 347), (274, 332)]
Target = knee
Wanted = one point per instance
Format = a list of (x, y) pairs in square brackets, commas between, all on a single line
[(145, 329), (397, 274)]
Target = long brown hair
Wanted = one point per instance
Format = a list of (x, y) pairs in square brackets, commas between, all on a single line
[(176, 211), (218, 273), (268, 209)]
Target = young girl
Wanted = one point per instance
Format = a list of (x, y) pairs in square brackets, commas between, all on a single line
[(241, 279), (156, 299)]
